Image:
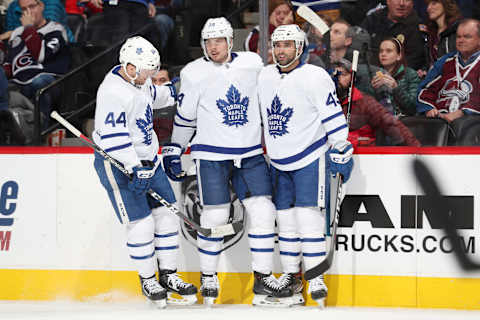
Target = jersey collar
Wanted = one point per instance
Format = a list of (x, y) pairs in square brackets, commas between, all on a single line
[(287, 72)]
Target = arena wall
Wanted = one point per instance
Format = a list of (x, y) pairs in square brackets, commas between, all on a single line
[(60, 239)]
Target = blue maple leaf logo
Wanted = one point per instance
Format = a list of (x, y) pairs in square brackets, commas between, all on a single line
[(146, 126), (278, 118), (234, 110)]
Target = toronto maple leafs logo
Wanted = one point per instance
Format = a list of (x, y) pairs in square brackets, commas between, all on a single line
[(234, 110), (146, 126), (278, 118)]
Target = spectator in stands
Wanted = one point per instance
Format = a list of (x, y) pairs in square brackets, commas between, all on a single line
[(399, 20), (354, 12), (451, 88), (164, 19), (163, 118), (326, 9), (280, 12), (342, 36), (77, 15), (3, 90), (53, 10), (442, 23), (124, 17), (401, 80), (161, 77), (36, 52), (367, 116)]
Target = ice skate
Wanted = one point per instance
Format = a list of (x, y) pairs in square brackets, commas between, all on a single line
[(209, 289), (294, 282), (179, 292), (318, 290), (269, 292), (155, 293)]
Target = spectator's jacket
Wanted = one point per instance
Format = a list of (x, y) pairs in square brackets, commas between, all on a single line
[(54, 11), (405, 94), (251, 42), (75, 7), (31, 52), (443, 43), (440, 89), (380, 27), (367, 116)]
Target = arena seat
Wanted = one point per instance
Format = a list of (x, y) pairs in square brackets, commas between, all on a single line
[(429, 131)]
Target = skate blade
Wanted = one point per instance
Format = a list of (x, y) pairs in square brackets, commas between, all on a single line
[(176, 299), (298, 300), (321, 303), (208, 301), (158, 304), (271, 302)]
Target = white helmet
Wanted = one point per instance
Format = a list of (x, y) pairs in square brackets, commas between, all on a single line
[(288, 32), (141, 53), (217, 28)]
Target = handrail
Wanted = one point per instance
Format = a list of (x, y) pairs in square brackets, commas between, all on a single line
[(240, 8), (37, 125)]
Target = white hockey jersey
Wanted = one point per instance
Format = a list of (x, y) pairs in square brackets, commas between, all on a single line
[(220, 102), (301, 115), (124, 118)]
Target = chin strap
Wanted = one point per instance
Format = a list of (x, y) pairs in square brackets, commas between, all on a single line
[(131, 80)]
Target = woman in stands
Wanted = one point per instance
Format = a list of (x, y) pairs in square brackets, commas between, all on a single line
[(402, 80), (280, 13), (443, 19)]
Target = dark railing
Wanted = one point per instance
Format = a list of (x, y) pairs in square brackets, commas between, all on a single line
[(38, 133)]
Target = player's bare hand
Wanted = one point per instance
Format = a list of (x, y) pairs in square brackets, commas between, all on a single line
[(432, 113), (451, 115), (27, 18), (151, 10)]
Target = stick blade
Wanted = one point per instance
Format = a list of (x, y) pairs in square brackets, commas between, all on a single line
[(309, 15)]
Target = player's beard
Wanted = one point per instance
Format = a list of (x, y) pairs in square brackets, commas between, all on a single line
[(286, 62)]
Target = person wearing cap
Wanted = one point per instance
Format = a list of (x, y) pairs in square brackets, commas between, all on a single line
[(367, 115)]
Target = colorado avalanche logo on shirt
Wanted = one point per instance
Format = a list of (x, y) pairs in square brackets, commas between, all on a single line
[(278, 118), (146, 126), (234, 109)]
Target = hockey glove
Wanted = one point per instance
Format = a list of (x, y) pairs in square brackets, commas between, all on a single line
[(340, 159), (141, 176), (171, 153), (173, 89)]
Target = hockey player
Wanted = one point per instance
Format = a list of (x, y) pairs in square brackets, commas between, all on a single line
[(218, 99), (302, 119), (124, 129)]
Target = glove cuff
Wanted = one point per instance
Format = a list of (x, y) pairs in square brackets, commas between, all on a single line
[(171, 149)]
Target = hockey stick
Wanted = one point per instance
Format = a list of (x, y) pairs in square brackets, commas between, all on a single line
[(219, 231), (310, 16), (323, 266), (433, 195)]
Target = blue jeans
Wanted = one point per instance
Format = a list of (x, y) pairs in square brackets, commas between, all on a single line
[(45, 103), (164, 26)]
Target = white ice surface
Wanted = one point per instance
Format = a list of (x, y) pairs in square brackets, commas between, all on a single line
[(139, 310)]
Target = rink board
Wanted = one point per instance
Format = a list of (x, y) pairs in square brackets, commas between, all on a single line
[(59, 238)]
